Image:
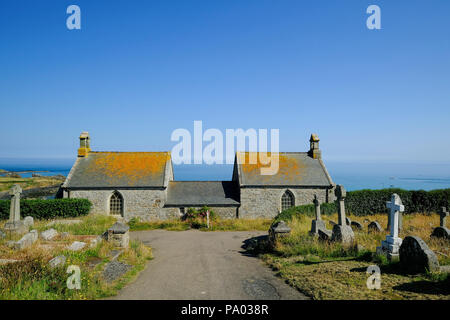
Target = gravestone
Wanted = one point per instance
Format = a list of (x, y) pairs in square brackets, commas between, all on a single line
[(442, 231), (317, 223), (76, 246), (416, 256), (390, 247), (400, 222), (374, 226), (348, 221), (14, 225), (356, 225), (28, 221), (278, 230), (342, 232), (49, 234), (118, 234), (57, 261), (26, 241), (324, 234)]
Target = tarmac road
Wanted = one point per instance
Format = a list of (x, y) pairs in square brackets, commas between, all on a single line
[(198, 265)]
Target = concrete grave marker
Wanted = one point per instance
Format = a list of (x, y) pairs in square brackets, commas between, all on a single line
[(342, 232), (442, 231), (374, 226), (118, 234), (278, 230), (416, 256), (317, 223), (390, 247), (14, 225)]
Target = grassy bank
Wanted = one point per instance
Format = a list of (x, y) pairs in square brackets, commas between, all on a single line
[(27, 183), (32, 278), (331, 271)]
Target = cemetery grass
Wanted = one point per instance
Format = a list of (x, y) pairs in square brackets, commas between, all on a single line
[(330, 271), (31, 277), (200, 224), (27, 183)]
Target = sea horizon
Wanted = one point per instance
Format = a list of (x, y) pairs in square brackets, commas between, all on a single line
[(353, 175)]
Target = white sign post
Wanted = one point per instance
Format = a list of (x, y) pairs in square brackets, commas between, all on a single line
[(207, 218)]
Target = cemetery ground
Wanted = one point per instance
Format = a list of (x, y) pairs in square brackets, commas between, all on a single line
[(325, 270), (29, 276)]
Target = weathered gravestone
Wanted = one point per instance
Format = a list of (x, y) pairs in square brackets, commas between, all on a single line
[(76, 246), (348, 221), (28, 221), (278, 230), (49, 234), (442, 231), (318, 223), (374, 226), (57, 261), (342, 232), (118, 234), (14, 225), (356, 225), (415, 256), (390, 247), (26, 241)]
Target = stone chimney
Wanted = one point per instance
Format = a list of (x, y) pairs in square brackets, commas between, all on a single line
[(314, 151), (84, 149)]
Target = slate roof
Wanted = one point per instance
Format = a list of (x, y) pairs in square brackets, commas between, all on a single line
[(201, 193), (295, 169), (119, 169)]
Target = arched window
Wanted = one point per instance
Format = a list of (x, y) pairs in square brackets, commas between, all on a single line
[(116, 204), (287, 200)]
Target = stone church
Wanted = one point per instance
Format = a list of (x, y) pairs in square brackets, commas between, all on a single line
[(142, 184)]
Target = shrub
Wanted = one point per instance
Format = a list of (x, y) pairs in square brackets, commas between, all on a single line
[(307, 209), (369, 202), (47, 209), (197, 217)]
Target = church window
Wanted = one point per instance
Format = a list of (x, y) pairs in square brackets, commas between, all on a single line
[(287, 200), (116, 204)]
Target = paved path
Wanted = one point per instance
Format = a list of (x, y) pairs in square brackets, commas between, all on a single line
[(204, 265)]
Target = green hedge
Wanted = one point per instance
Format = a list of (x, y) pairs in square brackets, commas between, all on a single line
[(48, 209), (308, 209), (368, 202)]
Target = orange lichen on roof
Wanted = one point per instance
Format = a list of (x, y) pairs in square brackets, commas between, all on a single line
[(132, 165), (287, 167)]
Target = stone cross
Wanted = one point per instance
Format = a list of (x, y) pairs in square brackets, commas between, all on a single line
[(341, 194), (443, 214), (396, 207), (14, 211), (317, 207)]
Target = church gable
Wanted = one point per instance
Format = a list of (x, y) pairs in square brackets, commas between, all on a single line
[(120, 169), (303, 169)]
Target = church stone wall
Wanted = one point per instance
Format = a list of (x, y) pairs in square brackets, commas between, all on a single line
[(266, 202), (143, 204), (221, 212)]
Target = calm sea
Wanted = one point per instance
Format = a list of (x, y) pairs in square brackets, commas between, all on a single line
[(353, 176)]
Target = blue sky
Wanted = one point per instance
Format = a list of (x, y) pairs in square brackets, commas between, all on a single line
[(137, 70)]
